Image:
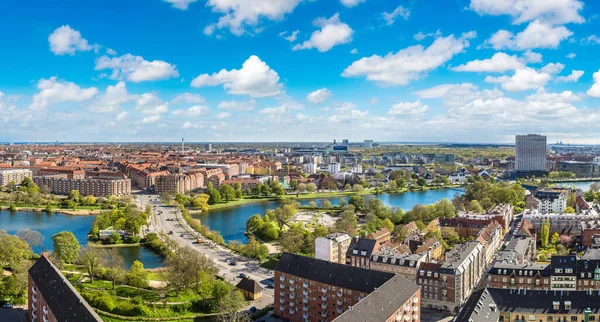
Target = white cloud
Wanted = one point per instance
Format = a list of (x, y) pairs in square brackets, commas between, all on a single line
[(347, 116), (594, 91), (571, 55), (237, 15), (180, 4), (390, 17), (151, 119), (456, 95), (536, 35), (319, 96), (374, 100), (354, 51), (344, 106), (550, 11), (188, 98), (532, 57), (112, 99), (351, 3), (410, 63), (238, 105), (572, 78), (136, 69), (408, 108), (591, 40), (292, 37), (223, 115), (255, 79), (420, 35), (500, 62), (64, 40), (283, 109), (149, 103), (196, 110), (190, 125), (527, 78), (53, 91), (122, 116), (333, 32)]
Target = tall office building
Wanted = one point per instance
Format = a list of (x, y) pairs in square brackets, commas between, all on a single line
[(531, 153)]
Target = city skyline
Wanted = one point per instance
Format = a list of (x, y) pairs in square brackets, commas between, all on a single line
[(240, 71)]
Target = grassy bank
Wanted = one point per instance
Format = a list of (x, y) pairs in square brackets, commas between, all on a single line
[(80, 211)]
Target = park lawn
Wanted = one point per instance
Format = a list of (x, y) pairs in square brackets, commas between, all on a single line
[(153, 276)]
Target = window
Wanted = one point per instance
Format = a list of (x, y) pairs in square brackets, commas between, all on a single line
[(574, 318), (532, 318)]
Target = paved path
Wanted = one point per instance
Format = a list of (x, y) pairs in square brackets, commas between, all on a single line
[(168, 220)]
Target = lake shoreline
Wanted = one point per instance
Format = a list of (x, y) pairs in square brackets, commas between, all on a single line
[(70, 212)]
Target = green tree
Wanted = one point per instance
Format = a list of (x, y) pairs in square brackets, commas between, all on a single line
[(292, 240), (545, 233), (13, 250), (569, 210), (227, 192), (358, 202), (347, 223), (311, 187), (90, 258), (111, 259), (326, 204), (555, 239), (33, 237), (66, 247), (75, 196), (137, 275), (421, 182), (284, 214)]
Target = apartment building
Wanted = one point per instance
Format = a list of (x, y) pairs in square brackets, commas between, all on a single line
[(144, 179), (360, 251), (531, 153), (52, 298), (308, 289), (247, 184), (561, 223), (332, 247), (99, 187), (450, 284), (391, 260), (550, 201), (179, 182), (16, 175)]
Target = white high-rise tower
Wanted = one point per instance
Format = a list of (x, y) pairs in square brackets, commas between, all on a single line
[(531, 153)]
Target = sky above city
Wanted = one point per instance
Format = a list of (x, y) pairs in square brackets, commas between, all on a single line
[(476, 71)]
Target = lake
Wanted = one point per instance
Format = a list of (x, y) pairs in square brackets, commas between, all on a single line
[(583, 185), (231, 222), (50, 224)]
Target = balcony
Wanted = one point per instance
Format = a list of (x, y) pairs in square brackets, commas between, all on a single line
[(281, 301), (340, 310), (305, 301), (324, 298), (292, 304), (282, 293), (324, 314), (415, 317), (340, 293), (33, 315), (324, 290), (282, 308), (34, 298), (340, 302), (292, 311), (282, 278), (305, 293), (415, 308), (45, 318), (305, 285), (305, 308), (34, 290), (291, 281), (407, 318), (33, 307), (45, 309), (324, 306), (305, 316), (292, 296), (292, 289)]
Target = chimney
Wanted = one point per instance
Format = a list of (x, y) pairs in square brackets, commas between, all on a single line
[(46, 254)]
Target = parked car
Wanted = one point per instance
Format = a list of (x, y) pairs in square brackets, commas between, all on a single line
[(252, 309), (171, 232), (233, 263), (243, 275)]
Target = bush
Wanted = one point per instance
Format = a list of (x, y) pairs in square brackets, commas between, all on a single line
[(134, 240), (101, 300), (128, 309)]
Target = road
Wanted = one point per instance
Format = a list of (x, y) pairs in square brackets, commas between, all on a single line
[(168, 219)]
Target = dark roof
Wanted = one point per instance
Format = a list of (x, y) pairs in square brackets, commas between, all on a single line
[(542, 302), (382, 303), (62, 299), (345, 276), (480, 307), (362, 244), (249, 285)]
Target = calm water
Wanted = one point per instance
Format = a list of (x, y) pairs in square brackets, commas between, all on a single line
[(50, 224), (583, 185), (231, 222)]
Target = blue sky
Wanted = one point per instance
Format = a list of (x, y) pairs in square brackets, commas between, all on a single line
[(299, 70)]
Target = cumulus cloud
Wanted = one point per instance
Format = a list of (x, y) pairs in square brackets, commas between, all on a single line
[(150, 103), (408, 64), (390, 17), (151, 119), (571, 55), (527, 78), (190, 125), (53, 91), (112, 98), (555, 12), (351, 3), (500, 62), (180, 4), (223, 115), (319, 96), (537, 35), (188, 98), (65, 40), (238, 15), (571, 78), (255, 79), (292, 37), (408, 108), (333, 32), (594, 91), (136, 69), (243, 106), (122, 116), (454, 95), (196, 110)]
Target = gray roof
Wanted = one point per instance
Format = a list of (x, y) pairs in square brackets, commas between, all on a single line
[(479, 308), (62, 299), (339, 275), (382, 303), (542, 302)]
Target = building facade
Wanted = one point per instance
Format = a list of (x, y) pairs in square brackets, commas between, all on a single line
[(16, 175), (61, 185), (531, 153), (332, 247), (550, 201)]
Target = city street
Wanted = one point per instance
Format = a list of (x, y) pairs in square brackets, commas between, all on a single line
[(168, 220)]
